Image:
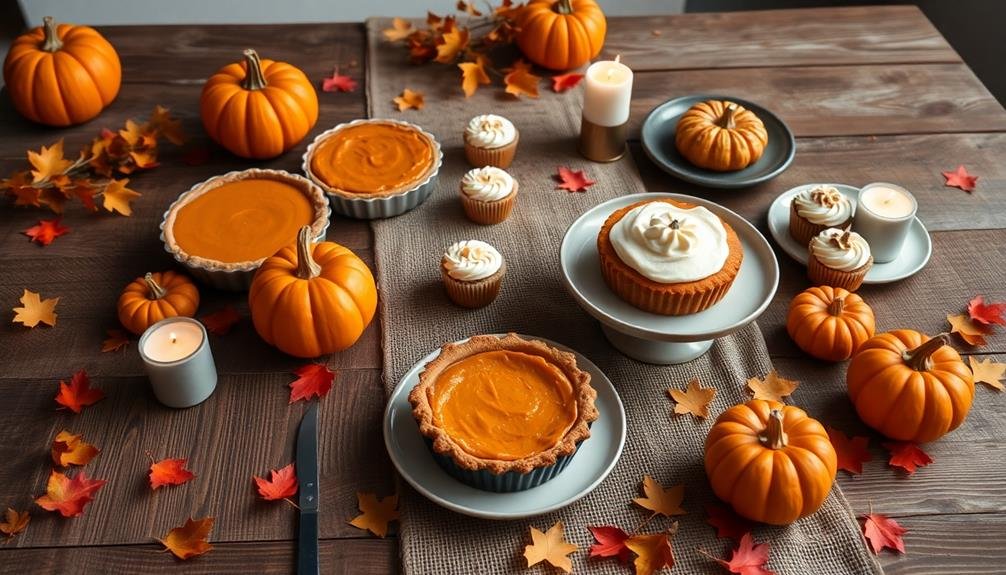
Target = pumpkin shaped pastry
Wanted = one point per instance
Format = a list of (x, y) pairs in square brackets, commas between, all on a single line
[(720, 135), (156, 296), (770, 461), (829, 323), (561, 34)]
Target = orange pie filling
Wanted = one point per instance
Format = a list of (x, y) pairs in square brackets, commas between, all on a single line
[(373, 158), (503, 405), (242, 221)]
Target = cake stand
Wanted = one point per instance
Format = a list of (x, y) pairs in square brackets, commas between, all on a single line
[(654, 338)]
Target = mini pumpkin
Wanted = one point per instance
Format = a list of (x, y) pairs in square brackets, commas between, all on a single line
[(309, 300), (770, 461), (721, 136), (910, 387), (829, 323), (561, 35), (156, 296), (61, 75), (258, 108)]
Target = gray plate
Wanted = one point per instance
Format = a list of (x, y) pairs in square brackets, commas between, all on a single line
[(658, 142)]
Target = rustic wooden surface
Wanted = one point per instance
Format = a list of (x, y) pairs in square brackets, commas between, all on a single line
[(871, 93)]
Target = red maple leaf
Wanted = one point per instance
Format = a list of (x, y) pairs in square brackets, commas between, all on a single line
[(220, 322), (851, 452), (907, 456), (749, 558), (315, 380), (610, 542), (68, 496), (79, 393), (338, 83), (169, 472), (960, 178), (564, 82), (986, 313), (282, 483), (882, 531), (46, 231), (728, 524), (573, 181)]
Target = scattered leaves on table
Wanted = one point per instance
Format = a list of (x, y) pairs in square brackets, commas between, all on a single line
[(69, 449), (115, 340), (78, 394), (520, 81), (314, 380), (971, 332), (221, 321), (882, 531), (666, 502), (986, 313), (653, 552), (68, 496), (14, 522), (748, 558), (773, 387), (118, 198), (400, 30), (35, 310), (610, 542), (988, 372), (961, 179), (694, 399), (473, 74), (282, 484), (375, 514), (190, 539), (551, 547), (728, 524), (572, 180), (907, 456), (46, 231), (169, 472), (851, 452), (409, 99), (338, 83), (563, 82)]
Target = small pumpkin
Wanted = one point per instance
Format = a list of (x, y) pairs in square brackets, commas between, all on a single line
[(309, 300), (258, 108), (829, 323), (770, 461), (721, 136), (561, 34), (910, 387), (61, 75), (155, 296)]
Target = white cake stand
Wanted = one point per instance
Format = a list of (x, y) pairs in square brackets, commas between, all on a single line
[(654, 338)]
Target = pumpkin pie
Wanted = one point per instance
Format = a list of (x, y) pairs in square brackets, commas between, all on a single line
[(503, 413), (224, 228)]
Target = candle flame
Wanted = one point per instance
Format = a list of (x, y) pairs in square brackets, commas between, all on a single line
[(173, 337)]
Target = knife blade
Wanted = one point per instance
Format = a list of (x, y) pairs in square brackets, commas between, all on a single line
[(307, 479)]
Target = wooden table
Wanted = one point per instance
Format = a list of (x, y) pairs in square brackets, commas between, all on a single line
[(871, 93)]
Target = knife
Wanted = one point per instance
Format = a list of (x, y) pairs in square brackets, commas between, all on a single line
[(307, 478)]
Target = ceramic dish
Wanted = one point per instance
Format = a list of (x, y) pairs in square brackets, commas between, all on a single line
[(661, 124), (593, 461), (914, 255)]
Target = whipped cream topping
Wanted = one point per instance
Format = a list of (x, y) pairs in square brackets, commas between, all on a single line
[(842, 250), (487, 184), (823, 205), (490, 131), (471, 260), (668, 244)]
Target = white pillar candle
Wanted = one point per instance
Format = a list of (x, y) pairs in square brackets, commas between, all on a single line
[(179, 363), (608, 93), (884, 215)]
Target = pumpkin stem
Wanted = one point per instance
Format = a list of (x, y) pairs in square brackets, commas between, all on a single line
[(564, 7), (156, 291), (775, 436), (307, 268), (920, 358), (254, 79), (51, 43), (727, 119), (836, 306)]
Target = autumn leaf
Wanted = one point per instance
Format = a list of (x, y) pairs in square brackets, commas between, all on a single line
[(728, 524), (116, 339), (971, 332), (35, 310), (773, 387), (282, 483), (881, 531), (961, 179), (68, 496), (851, 452), (400, 30), (986, 313), (610, 542), (988, 372), (79, 393), (563, 82), (190, 539), (338, 83), (14, 522), (572, 180), (69, 449), (653, 552), (450, 44), (118, 197), (46, 231), (27, 196), (694, 399), (468, 7), (48, 162), (315, 380), (473, 74), (749, 558), (409, 99), (661, 501), (169, 472), (551, 547), (220, 322), (520, 81), (375, 514), (171, 128), (907, 456)]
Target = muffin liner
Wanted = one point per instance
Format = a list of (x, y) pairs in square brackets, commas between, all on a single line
[(474, 294), (488, 213), (803, 230), (659, 302), (821, 274), (500, 157)]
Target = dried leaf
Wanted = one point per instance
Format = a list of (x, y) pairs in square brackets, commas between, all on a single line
[(69, 449), (694, 399), (572, 181), (315, 380), (473, 74), (220, 322), (852, 453), (749, 558), (551, 547), (409, 99), (653, 552), (282, 483), (666, 502), (451, 44), (69, 496), (988, 372), (563, 82), (338, 83), (375, 514), (79, 393), (610, 542), (190, 539), (116, 339), (118, 197), (881, 531), (907, 456), (46, 231), (971, 332), (400, 30), (14, 522), (773, 387), (986, 313), (171, 128), (35, 310), (520, 81), (48, 162), (961, 179), (728, 524), (169, 472)]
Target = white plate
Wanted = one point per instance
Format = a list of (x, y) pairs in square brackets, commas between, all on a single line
[(914, 256), (592, 463)]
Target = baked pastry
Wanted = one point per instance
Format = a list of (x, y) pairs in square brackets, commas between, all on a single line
[(838, 258), (816, 209), (490, 140), (503, 414), (668, 257), (472, 272), (488, 194)]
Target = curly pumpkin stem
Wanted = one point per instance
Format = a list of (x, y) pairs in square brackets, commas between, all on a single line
[(564, 7), (155, 289), (920, 358), (836, 306), (254, 79), (51, 43), (727, 119), (774, 436), (307, 268)]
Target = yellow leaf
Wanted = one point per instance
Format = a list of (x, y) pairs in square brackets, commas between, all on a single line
[(520, 80), (132, 133), (549, 546), (69, 449), (694, 399), (409, 99), (773, 387), (48, 162), (665, 502), (988, 372), (969, 331), (36, 310), (400, 30), (450, 44), (473, 74), (190, 539), (14, 522), (118, 197), (653, 552), (375, 514)]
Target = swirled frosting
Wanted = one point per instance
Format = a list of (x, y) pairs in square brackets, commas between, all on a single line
[(487, 184), (823, 205), (842, 250), (490, 131), (471, 260), (668, 244)]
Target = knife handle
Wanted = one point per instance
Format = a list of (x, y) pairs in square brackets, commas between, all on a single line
[(307, 551)]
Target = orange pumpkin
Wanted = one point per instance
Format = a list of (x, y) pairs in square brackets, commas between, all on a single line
[(771, 462), (562, 34), (910, 387), (258, 108), (309, 300), (721, 136), (155, 296), (829, 323), (61, 75)]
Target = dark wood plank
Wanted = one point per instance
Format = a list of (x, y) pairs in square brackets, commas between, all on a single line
[(949, 544)]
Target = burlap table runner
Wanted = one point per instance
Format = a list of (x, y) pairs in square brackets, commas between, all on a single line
[(417, 317)]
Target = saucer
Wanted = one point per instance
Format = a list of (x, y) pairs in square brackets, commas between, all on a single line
[(914, 255)]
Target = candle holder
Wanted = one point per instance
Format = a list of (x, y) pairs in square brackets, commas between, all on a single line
[(602, 143), (183, 376)]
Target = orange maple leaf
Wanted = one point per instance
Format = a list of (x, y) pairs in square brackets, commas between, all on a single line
[(171, 128), (220, 322), (400, 30), (132, 134), (69, 449), (144, 159), (851, 452), (46, 231), (118, 197), (190, 539), (35, 310), (450, 44), (14, 522), (84, 191), (473, 74), (375, 514), (79, 393), (653, 552), (169, 472), (48, 162), (773, 387), (971, 332), (563, 82), (410, 99), (282, 483), (116, 340), (519, 80), (550, 546), (988, 372), (695, 399), (69, 496), (315, 381), (27, 196), (666, 502)]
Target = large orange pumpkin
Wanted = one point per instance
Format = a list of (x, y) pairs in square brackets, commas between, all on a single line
[(910, 387), (720, 136), (61, 75), (258, 108), (156, 296), (561, 34), (771, 462), (829, 323), (309, 300)]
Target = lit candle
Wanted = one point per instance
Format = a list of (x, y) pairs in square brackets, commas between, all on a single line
[(176, 353), (607, 97), (884, 216)]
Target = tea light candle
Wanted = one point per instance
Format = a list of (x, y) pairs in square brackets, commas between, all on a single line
[(179, 363), (884, 215), (607, 98)]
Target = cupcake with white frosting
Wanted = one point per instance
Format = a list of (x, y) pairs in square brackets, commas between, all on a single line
[(490, 140), (839, 258), (816, 209), (472, 271), (488, 195)]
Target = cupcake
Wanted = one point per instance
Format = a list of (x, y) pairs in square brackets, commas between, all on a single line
[(839, 258), (472, 272), (816, 209), (488, 195), (490, 140)]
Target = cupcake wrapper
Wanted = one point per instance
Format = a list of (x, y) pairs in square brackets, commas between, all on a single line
[(659, 302), (821, 274), (803, 230), (488, 213), (500, 157), (473, 294)]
